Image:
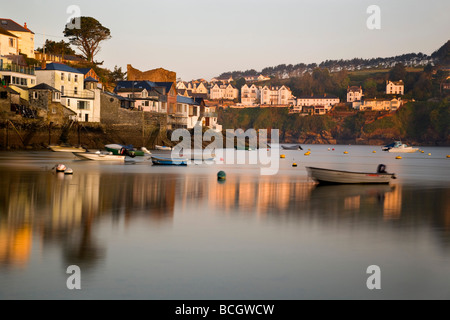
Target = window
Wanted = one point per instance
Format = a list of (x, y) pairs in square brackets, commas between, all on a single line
[(68, 102), (62, 76), (53, 110), (68, 77), (11, 42), (75, 90), (83, 105), (75, 78), (62, 90), (35, 95)]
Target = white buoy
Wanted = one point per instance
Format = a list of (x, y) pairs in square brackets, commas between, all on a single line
[(60, 168)]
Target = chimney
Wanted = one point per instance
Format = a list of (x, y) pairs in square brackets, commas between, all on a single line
[(25, 25)]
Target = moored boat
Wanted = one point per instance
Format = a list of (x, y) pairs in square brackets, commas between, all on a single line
[(64, 148), (158, 160), (398, 146), (330, 176), (99, 156), (118, 149), (295, 147)]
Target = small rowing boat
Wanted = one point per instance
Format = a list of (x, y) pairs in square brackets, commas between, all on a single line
[(65, 148), (157, 160), (330, 176), (99, 156), (296, 147)]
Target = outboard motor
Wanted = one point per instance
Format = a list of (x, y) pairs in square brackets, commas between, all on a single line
[(381, 168)]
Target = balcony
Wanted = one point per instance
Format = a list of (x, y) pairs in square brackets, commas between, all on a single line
[(208, 115), (12, 67), (83, 94)]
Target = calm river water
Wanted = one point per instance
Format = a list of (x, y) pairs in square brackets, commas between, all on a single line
[(139, 231)]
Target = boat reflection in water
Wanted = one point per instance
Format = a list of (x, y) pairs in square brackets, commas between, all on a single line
[(351, 198)]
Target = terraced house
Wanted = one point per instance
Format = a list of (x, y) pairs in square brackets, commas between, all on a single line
[(276, 95), (25, 37), (74, 90)]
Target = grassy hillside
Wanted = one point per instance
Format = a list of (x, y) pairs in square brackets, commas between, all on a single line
[(425, 123)]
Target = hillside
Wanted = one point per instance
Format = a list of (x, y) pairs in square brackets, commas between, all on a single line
[(420, 123), (412, 60)]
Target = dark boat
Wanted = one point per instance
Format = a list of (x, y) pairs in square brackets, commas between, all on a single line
[(296, 147)]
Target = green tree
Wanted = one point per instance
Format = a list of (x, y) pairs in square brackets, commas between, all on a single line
[(398, 72), (117, 74), (54, 47), (88, 37)]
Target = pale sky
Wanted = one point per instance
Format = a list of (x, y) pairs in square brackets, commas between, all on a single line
[(203, 38)]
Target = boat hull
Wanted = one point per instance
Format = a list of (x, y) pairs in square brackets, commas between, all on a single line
[(329, 176), (169, 161), (66, 149), (116, 149), (99, 156), (117, 152), (292, 147), (403, 150)]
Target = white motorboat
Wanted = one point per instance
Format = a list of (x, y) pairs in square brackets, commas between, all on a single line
[(99, 156), (398, 146), (330, 176)]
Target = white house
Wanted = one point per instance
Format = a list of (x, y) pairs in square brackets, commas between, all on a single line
[(222, 91), (378, 104), (326, 100), (354, 93), (25, 36), (275, 95), (16, 75), (395, 87), (71, 83), (9, 43), (250, 95)]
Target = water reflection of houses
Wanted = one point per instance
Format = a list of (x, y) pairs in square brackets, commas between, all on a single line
[(255, 194), (63, 209)]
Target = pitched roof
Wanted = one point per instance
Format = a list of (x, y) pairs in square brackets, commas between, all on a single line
[(319, 96), (354, 89), (135, 86), (11, 25), (44, 86), (59, 67), (166, 85), (6, 33), (186, 100), (84, 70), (90, 79)]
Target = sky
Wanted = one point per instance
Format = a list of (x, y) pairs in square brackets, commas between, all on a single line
[(204, 38)]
